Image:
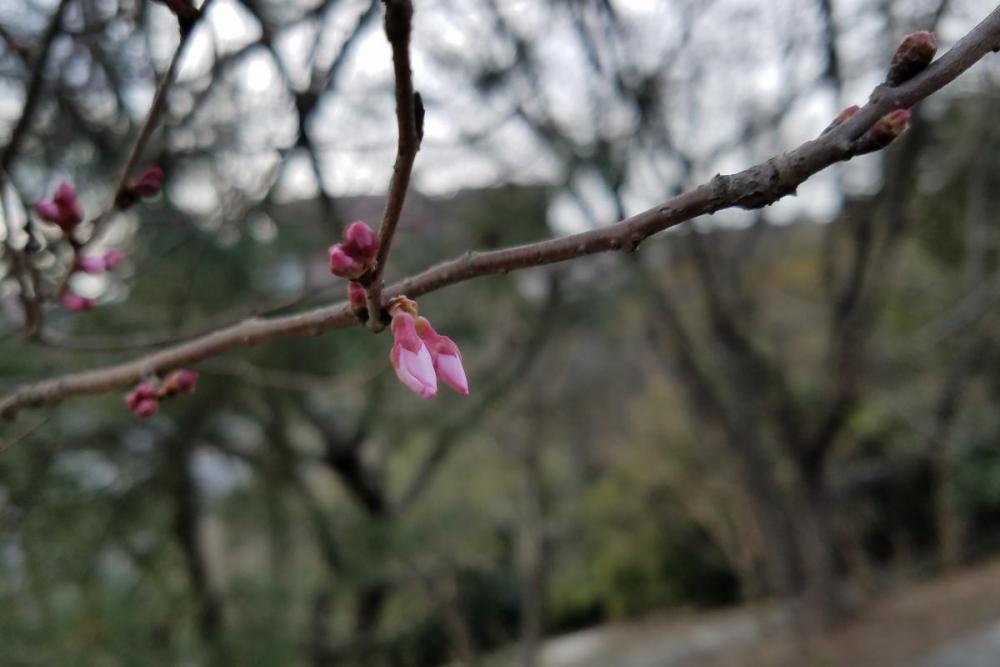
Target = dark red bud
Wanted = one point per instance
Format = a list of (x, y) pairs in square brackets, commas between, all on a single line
[(842, 117), (884, 132), (181, 381), (149, 183), (914, 54), (356, 297)]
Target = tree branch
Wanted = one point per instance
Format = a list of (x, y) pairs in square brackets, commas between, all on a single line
[(398, 24), (755, 187)]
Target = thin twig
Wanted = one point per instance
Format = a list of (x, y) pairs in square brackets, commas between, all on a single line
[(122, 197), (755, 187), (398, 24), (33, 96)]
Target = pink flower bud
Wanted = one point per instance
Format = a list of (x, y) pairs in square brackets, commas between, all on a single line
[(113, 258), (48, 211), (356, 296), (410, 357), (64, 209), (360, 242), (149, 183), (842, 117), (445, 355), (75, 302), (146, 408), (182, 381), (342, 264), (91, 264), (65, 195), (884, 132), (143, 400), (914, 54)]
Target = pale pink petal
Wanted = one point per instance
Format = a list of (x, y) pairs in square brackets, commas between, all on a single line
[(415, 370), (446, 356), (404, 331), (450, 370)]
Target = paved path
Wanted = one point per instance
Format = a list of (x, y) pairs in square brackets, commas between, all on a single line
[(978, 649), (658, 644)]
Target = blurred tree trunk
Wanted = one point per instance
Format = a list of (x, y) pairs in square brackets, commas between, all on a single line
[(185, 524), (369, 604), (820, 549), (948, 519), (534, 538)]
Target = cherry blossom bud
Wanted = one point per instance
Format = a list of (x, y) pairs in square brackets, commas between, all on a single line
[(842, 117), (147, 408), (91, 264), (914, 54), (356, 296), (143, 400), (113, 258), (76, 303), (342, 264), (410, 357), (182, 381), (445, 355), (360, 242), (149, 183), (65, 195), (48, 211), (884, 132), (63, 209)]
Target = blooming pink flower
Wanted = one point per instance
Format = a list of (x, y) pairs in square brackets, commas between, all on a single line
[(360, 242), (63, 209), (342, 264), (113, 258), (410, 357), (75, 302), (445, 355), (143, 400), (181, 381)]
